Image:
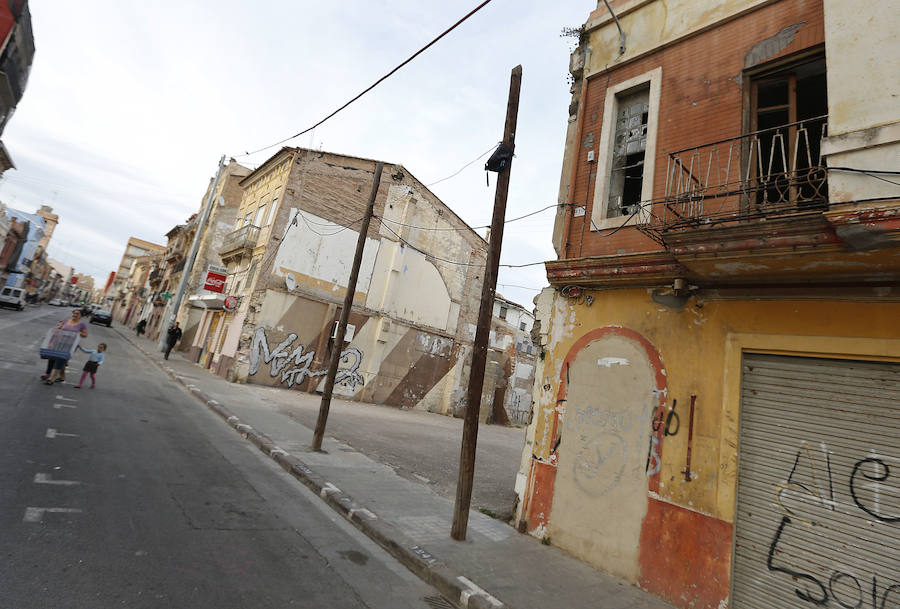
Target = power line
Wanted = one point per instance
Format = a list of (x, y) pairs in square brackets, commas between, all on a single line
[(414, 248), (377, 82), (452, 228), (460, 170)]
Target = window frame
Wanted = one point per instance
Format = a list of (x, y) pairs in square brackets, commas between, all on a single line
[(257, 220), (599, 220)]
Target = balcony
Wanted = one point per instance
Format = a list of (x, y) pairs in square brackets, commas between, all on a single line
[(239, 242), (753, 210), (770, 172)]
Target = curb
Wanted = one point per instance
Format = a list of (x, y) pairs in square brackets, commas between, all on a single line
[(457, 588)]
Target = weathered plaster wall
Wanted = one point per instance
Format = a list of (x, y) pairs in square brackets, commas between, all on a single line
[(861, 43), (406, 285), (319, 256), (863, 94), (685, 522)]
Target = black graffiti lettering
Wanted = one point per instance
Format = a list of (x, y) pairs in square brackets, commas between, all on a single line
[(804, 594), (884, 597), (836, 578), (670, 417), (876, 477)]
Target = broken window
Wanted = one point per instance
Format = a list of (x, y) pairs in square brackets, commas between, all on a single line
[(503, 311), (629, 146), (626, 153)]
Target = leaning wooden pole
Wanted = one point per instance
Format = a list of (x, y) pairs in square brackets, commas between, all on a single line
[(325, 405), (482, 332)]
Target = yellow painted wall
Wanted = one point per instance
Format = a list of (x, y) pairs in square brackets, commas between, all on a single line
[(701, 346)]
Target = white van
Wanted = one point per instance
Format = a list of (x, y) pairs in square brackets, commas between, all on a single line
[(12, 297)]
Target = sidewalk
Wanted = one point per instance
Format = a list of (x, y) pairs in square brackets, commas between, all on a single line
[(495, 567)]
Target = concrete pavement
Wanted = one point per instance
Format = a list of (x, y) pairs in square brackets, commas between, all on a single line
[(495, 567)]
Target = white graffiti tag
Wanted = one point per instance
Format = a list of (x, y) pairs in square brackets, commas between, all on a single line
[(280, 358)]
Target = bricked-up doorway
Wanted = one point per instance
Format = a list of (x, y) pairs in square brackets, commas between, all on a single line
[(788, 108)]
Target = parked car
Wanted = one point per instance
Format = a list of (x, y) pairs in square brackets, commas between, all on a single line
[(12, 297), (56, 302), (102, 317)]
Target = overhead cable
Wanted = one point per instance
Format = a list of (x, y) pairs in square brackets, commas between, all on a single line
[(376, 83)]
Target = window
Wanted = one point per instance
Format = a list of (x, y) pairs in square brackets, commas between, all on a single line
[(627, 150), (503, 311), (272, 209), (251, 272), (522, 326), (247, 219), (260, 214)]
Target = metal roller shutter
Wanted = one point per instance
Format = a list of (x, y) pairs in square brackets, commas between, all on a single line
[(818, 495)]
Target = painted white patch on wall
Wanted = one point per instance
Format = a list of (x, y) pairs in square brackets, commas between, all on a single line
[(326, 254), (609, 362)]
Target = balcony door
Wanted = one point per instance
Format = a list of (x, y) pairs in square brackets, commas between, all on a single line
[(787, 120)]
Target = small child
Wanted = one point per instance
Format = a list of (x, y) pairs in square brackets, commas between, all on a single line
[(90, 367)]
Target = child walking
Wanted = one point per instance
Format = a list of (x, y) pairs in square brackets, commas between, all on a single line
[(90, 367)]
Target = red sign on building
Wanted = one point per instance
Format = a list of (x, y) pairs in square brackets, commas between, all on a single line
[(215, 282)]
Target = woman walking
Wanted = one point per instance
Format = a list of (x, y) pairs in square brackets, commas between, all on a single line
[(56, 366)]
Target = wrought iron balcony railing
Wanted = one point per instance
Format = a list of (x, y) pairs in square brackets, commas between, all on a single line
[(774, 170)]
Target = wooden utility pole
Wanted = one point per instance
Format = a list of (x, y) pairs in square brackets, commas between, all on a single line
[(345, 314), (479, 350)]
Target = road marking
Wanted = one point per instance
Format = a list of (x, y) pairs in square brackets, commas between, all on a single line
[(58, 406), (45, 479), (36, 514), (52, 433), (63, 398)]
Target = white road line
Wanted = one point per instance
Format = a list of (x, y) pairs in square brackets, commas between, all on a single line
[(36, 514), (63, 398), (58, 406), (52, 433), (45, 479)]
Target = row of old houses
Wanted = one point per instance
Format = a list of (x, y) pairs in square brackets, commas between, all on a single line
[(24, 263), (263, 296)]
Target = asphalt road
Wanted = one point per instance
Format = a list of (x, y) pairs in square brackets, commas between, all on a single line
[(132, 495)]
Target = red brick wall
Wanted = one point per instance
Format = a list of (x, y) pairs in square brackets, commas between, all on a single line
[(701, 101)]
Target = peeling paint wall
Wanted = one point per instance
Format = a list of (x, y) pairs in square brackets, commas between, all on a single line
[(603, 471), (863, 98)]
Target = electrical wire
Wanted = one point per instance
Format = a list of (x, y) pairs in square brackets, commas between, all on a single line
[(528, 215), (453, 175), (414, 248), (872, 173), (376, 83)]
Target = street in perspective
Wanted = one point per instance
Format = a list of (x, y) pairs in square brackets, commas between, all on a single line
[(450, 306)]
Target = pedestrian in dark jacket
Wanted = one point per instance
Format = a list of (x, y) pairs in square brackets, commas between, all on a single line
[(172, 337)]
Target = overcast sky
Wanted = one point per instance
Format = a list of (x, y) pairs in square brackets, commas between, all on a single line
[(130, 104)]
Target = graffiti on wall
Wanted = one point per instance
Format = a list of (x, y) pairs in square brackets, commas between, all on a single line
[(292, 364), (812, 490), (608, 447)]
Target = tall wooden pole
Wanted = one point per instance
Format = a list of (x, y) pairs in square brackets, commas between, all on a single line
[(482, 332), (345, 314)]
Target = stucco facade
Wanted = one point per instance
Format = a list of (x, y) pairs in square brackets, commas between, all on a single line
[(639, 449), (289, 260)]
